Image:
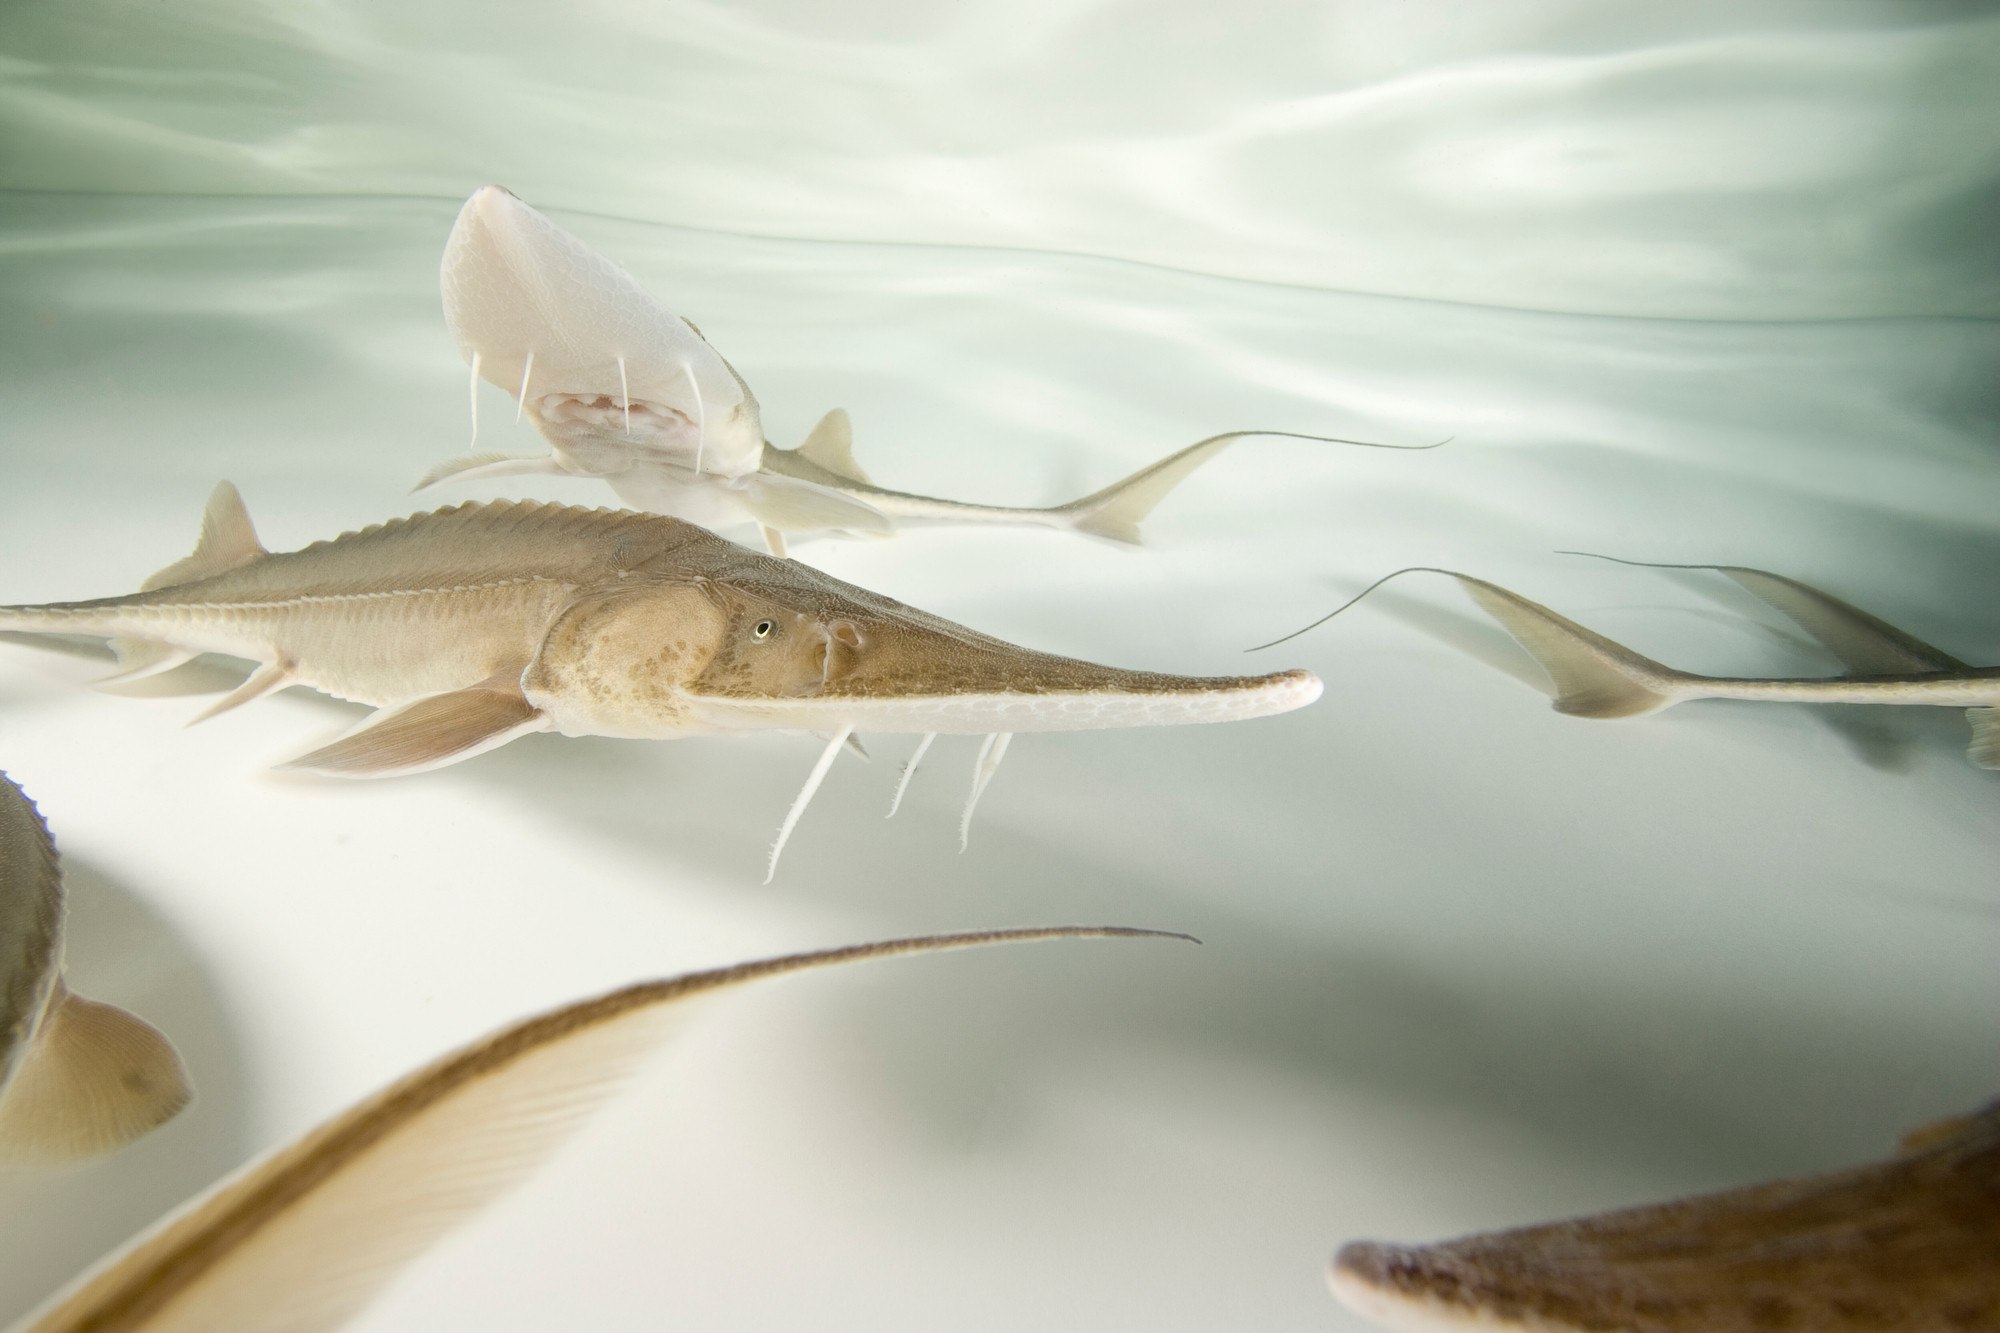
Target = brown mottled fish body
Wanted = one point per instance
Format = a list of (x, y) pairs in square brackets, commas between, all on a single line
[(467, 627), (1908, 1244)]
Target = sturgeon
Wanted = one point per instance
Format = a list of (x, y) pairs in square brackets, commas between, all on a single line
[(470, 626), (626, 390)]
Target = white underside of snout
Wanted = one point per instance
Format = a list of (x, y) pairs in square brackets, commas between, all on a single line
[(980, 714)]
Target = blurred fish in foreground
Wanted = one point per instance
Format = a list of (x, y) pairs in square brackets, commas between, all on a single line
[(1906, 1245), (306, 1237), (77, 1078)]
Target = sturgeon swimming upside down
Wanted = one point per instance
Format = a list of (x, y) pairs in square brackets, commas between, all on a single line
[(625, 389), (467, 627)]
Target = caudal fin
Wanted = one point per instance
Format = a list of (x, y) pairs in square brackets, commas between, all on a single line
[(1116, 511), (1593, 676), (1863, 643), (94, 1079)]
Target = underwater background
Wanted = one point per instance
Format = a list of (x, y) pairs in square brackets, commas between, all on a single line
[(1709, 283)]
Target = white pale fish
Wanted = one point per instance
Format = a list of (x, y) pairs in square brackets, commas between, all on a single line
[(469, 627), (555, 324), (624, 389), (620, 386), (77, 1078), (303, 1239)]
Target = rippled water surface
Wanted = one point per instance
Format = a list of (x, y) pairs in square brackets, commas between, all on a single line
[(1713, 286)]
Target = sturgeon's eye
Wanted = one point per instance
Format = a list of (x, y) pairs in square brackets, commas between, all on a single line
[(763, 629)]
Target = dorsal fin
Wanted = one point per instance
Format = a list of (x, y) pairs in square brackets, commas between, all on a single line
[(831, 445), (228, 541)]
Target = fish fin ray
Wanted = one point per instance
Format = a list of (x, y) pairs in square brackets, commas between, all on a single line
[(1985, 748), (426, 733), (830, 444), (1116, 511), (140, 658), (1593, 676), (1863, 642), (266, 679), (95, 1078), (791, 505), (228, 541), (474, 467)]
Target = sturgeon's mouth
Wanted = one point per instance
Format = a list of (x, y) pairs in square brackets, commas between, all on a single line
[(612, 412)]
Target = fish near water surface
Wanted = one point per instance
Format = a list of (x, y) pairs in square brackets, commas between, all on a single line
[(77, 1078), (1906, 1245), (624, 389), (304, 1238), (470, 626), (1598, 678)]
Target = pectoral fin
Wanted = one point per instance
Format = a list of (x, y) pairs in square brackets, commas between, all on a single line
[(428, 733), (94, 1079), (473, 467), (791, 505)]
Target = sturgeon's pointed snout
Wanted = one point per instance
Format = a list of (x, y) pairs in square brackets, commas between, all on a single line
[(916, 677)]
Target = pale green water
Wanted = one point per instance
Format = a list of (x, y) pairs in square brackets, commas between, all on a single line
[(1468, 963)]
